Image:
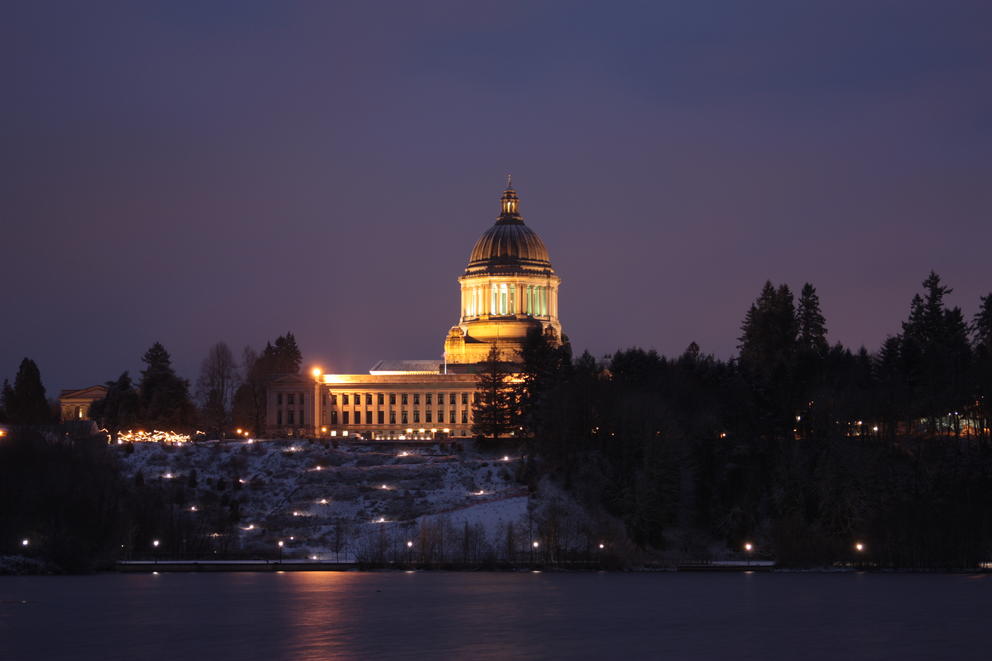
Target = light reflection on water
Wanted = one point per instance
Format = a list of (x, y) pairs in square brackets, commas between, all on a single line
[(322, 615)]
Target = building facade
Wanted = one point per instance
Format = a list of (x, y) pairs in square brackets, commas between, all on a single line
[(507, 289), (75, 404)]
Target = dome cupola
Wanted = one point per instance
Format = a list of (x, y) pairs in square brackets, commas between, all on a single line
[(509, 245)]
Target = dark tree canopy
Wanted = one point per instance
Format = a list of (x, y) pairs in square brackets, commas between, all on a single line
[(495, 408), (25, 402), (164, 396), (258, 370), (120, 407)]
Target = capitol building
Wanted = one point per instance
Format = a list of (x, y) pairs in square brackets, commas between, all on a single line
[(507, 289)]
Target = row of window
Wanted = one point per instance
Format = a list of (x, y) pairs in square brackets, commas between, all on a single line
[(291, 398), (289, 416), (379, 417), (404, 398)]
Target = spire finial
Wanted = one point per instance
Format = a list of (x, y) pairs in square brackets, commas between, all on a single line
[(509, 201)]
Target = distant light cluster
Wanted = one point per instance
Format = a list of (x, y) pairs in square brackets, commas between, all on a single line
[(154, 436)]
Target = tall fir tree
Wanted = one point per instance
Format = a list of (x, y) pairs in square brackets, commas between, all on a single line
[(812, 325), (25, 402), (164, 396), (494, 410)]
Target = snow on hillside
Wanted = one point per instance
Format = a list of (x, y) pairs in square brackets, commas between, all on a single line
[(329, 502)]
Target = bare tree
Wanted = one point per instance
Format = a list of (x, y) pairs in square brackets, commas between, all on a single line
[(216, 386)]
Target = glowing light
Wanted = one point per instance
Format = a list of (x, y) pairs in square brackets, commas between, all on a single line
[(506, 458), (281, 543), (318, 467), (322, 501), (421, 430), (155, 543), (193, 508), (317, 372), (434, 431), (313, 557), (381, 519), (409, 544), (446, 430), (480, 492), (748, 547), (297, 513), (25, 542), (536, 544), (238, 431), (723, 434), (602, 546), (859, 547), (251, 526), (154, 436), (409, 431), (323, 429), (167, 476), (874, 428)]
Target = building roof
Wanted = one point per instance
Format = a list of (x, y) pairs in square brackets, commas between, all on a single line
[(406, 367), (92, 392)]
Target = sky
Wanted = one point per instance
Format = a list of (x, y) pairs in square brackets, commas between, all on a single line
[(190, 172)]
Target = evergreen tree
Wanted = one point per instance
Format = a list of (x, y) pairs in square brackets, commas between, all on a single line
[(546, 364), (936, 356), (982, 368), (164, 396), (495, 408), (768, 346), (812, 325), (25, 403), (283, 357), (258, 370), (6, 401), (119, 407)]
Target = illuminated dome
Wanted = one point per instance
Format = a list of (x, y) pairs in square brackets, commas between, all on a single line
[(509, 245), (508, 290)]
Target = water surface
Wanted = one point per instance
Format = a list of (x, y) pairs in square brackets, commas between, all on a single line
[(321, 615)]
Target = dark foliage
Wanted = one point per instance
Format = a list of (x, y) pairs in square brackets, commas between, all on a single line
[(25, 403), (799, 446)]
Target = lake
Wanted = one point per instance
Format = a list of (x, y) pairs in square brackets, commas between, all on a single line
[(372, 615)]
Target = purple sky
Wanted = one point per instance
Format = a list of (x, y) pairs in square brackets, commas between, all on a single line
[(190, 173)]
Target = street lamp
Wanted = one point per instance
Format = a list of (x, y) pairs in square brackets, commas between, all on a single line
[(155, 550), (409, 551), (281, 544), (748, 547), (25, 542)]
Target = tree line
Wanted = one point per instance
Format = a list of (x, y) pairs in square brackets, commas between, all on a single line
[(228, 393), (798, 446)]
